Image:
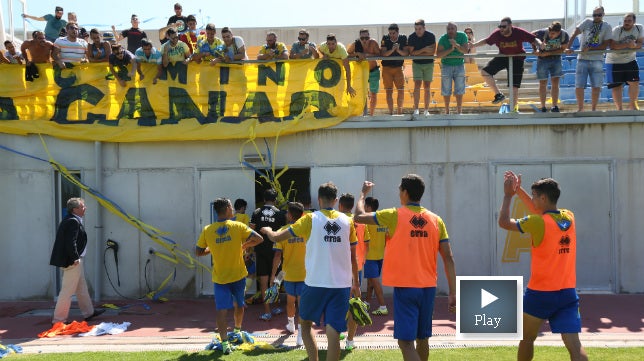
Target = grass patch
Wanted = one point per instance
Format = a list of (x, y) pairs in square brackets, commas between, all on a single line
[(457, 354)]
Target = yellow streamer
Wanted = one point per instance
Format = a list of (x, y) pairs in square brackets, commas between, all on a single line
[(177, 255)]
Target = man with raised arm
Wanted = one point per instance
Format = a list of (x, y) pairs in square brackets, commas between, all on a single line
[(509, 39), (410, 263), (54, 23), (551, 293)]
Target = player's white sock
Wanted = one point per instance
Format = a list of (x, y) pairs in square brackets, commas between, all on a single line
[(299, 341), (290, 326)]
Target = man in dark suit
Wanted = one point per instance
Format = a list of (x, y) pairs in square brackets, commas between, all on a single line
[(69, 250)]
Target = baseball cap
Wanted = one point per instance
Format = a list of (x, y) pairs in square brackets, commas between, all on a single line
[(108, 36)]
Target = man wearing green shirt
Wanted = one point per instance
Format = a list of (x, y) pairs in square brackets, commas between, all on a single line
[(451, 47)]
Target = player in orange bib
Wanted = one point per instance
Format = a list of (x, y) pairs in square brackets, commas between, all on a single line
[(551, 293), (409, 265)]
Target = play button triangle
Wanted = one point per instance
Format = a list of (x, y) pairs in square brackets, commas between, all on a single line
[(487, 298)]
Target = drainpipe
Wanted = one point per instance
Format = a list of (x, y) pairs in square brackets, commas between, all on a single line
[(98, 249)]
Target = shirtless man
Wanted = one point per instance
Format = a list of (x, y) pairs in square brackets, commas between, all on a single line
[(362, 48), (38, 50)]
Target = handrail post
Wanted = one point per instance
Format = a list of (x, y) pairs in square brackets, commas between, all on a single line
[(511, 81)]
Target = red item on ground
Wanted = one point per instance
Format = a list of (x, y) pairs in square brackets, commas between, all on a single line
[(60, 328)]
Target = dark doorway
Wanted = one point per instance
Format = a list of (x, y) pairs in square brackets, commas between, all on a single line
[(296, 179)]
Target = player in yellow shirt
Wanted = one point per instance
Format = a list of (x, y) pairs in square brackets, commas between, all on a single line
[(293, 251), (240, 211), (225, 240), (249, 255), (375, 255), (345, 205)]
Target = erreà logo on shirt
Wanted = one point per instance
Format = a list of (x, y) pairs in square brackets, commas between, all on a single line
[(222, 235), (332, 229), (564, 242), (268, 215), (418, 222)]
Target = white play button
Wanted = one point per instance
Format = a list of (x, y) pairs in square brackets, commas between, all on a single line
[(487, 298)]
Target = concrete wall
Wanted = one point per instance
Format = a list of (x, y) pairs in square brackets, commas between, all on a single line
[(459, 157)]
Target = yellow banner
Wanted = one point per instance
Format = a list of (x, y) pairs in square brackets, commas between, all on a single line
[(189, 102)]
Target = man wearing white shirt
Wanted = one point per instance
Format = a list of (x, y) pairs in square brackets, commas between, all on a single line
[(70, 49)]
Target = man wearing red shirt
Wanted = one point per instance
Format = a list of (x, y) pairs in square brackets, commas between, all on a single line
[(509, 40)]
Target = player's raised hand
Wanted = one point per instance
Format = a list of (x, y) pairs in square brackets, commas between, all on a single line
[(510, 183), (366, 186)]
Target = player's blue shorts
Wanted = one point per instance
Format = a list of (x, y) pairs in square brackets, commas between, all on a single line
[(372, 268), (413, 310), (332, 303), (251, 267), (227, 293), (560, 308), (293, 288)]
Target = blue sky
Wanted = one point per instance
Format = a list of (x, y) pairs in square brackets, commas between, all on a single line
[(280, 13)]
